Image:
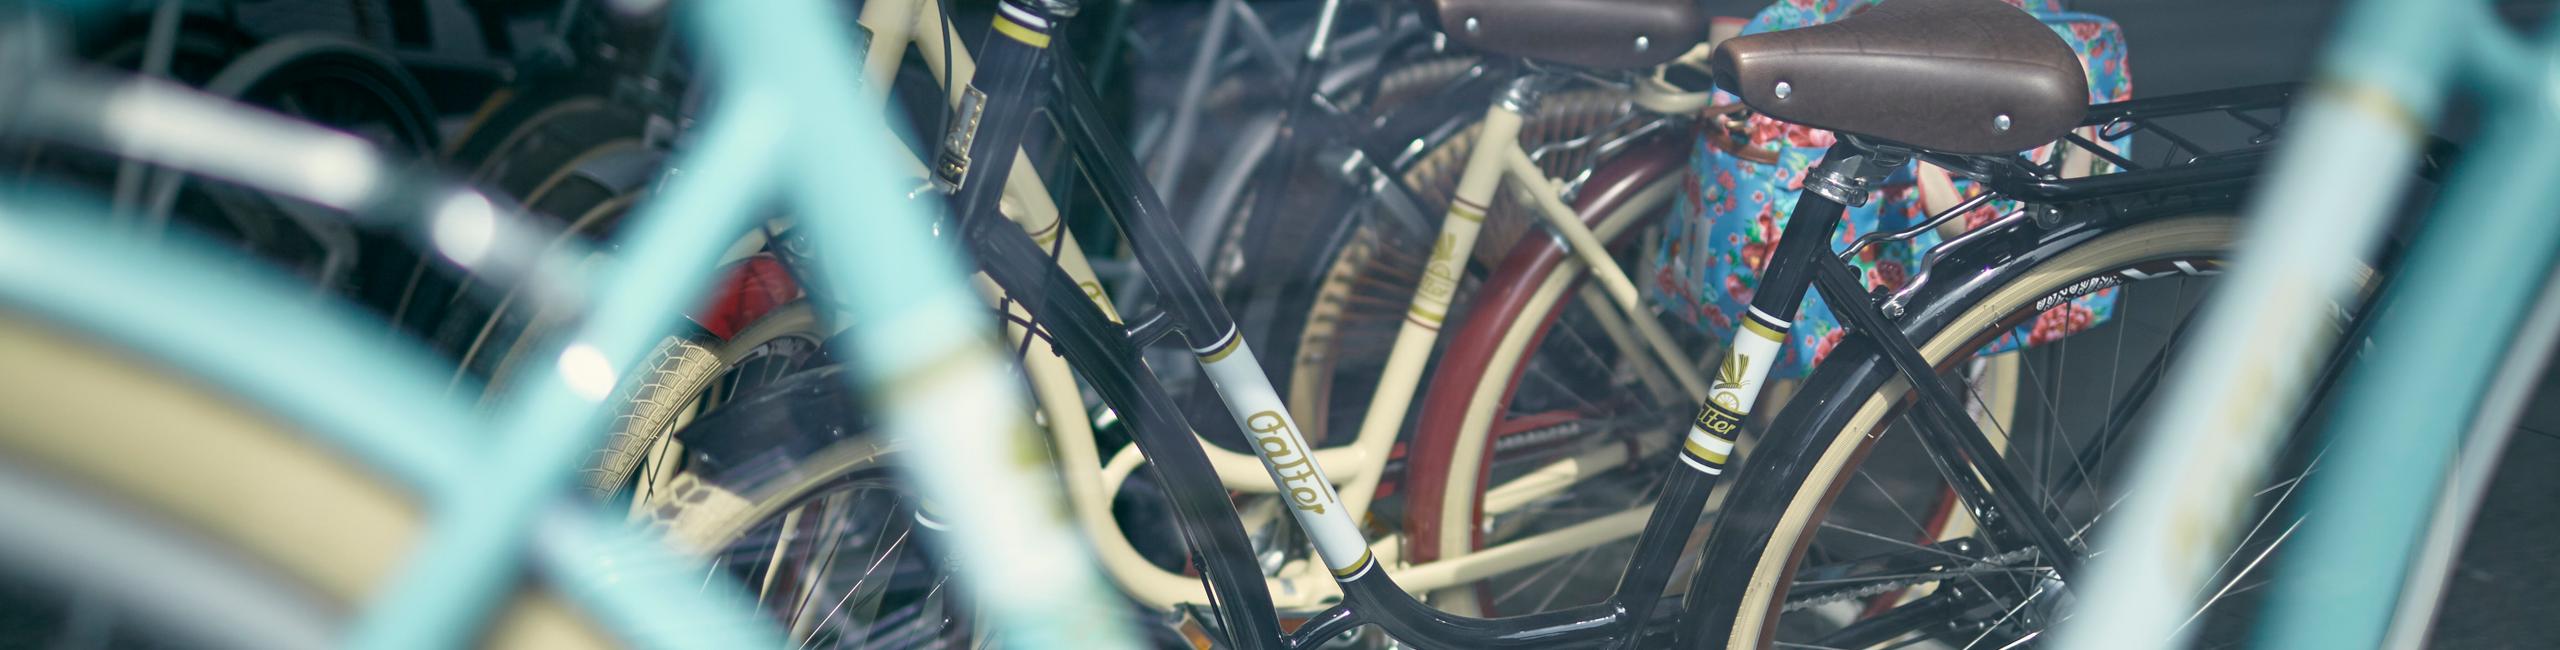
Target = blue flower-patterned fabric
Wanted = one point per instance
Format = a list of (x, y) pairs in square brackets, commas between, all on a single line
[(1733, 208)]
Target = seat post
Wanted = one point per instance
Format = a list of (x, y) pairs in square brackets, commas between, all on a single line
[(1844, 178)]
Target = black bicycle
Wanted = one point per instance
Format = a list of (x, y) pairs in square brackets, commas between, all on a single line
[(1787, 551)]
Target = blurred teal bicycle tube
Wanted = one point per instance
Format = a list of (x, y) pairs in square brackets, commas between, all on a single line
[(2408, 402), (786, 126)]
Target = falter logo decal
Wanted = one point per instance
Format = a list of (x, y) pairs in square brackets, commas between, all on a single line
[(1737, 367)]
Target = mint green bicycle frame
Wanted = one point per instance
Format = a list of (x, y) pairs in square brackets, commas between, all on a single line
[(786, 125), (2462, 295)]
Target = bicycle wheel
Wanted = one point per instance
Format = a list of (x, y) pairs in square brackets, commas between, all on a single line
[(296, 517), (1544, 396), (1841, 536), (1348, 316), (687, 376), (574, 155), (324, 79), (565, 153), (791, 498), (1359, 300)]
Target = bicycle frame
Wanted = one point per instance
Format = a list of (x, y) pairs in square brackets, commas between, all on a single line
[(782, 66)]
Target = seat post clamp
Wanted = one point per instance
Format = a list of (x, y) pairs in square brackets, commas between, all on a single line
[(1851, 170), (1522, 94)]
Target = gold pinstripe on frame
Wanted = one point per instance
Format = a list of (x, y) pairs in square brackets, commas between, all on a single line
[(1346, 573), (1462, 209), (1017, 31), (1703, 453), (2370, 98), (1233, 341), (1774, 332)]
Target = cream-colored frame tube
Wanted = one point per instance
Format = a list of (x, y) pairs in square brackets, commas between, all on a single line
[(1420, 331), (894, 26), (1540, 191), (1476, 426)]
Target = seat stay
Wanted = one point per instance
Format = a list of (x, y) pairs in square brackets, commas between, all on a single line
[(1993, 493)]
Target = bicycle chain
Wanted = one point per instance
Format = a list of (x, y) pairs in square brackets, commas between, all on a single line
[(1879, 588)]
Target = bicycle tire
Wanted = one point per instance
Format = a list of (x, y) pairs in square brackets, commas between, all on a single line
[(650, 401), (731, 487), (1371, 262), (528, 147), (1789, 482), (1358, 300), (1488, 356), (305, 514)]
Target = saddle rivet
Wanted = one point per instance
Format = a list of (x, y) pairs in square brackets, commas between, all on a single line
[(1784, 90), (2000, 122), (1641, 43), (1471, 25)]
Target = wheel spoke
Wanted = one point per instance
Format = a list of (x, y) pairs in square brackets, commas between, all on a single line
[(813, 575), (2120, 414), (884, 556), (1647, 369), (1897, 542), (2059, 434), (2004, 618), (2053, 419), (2289, 487), (2244, 573), (1895, 503), (1895, 578)]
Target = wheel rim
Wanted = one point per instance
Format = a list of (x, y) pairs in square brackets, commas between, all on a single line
[(1837, 587), (1573, 391)]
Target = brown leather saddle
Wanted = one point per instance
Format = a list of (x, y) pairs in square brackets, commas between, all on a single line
[(1953, 76), (1593, 34)]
